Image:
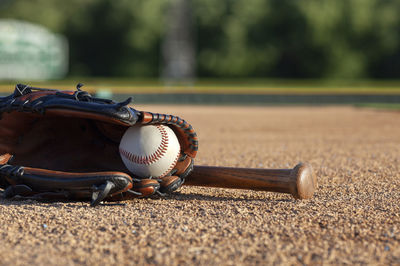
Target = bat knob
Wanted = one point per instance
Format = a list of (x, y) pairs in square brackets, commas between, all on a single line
[(306, 181)]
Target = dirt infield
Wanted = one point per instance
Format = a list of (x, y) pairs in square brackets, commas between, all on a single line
[(354, 218)]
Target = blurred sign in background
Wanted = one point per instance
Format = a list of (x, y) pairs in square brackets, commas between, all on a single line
[(178, 39), (29, 51)]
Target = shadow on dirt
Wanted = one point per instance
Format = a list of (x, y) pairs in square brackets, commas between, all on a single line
[(192, 196), (19, 201)]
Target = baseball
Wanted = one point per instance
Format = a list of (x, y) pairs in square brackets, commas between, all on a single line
[(149, 150)]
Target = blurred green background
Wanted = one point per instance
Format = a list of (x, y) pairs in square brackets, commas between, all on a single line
[(260, 52), (313, 39)]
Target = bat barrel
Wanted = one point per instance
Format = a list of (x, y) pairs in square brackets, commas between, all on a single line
[(299, 181)]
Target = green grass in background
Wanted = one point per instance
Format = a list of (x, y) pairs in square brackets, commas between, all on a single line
[(248, 86), (380, 106)]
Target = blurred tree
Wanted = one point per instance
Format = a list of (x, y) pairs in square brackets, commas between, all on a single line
[(234, 38), (116, 38), (106, 37), (253, 38), (357, 35)]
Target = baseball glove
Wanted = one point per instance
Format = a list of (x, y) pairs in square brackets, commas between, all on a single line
[(65, 145)]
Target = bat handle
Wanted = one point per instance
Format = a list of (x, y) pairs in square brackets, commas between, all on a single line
[(299, 181)]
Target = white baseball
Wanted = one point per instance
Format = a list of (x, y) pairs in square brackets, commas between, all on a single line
[(149, 150)]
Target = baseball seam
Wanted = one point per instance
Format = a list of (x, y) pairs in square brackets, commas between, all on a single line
[(152, 158), (171, 167)]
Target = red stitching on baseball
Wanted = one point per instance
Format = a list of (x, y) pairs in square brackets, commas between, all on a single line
[(171, 167), (152, 158)]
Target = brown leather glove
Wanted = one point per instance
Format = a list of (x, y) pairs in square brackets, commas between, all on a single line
[(64, 145)]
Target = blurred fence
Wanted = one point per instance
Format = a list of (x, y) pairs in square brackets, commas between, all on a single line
[(258, 99)]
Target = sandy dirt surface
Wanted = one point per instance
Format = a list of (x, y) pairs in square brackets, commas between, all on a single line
[(354, 217)]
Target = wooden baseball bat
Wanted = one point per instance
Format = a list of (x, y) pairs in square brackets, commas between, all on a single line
[(299, 181)]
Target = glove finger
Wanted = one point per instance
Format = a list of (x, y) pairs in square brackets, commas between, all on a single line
[(27, 181), (141, 188), (170, 184)]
